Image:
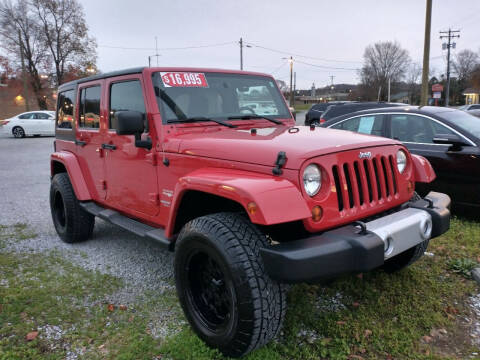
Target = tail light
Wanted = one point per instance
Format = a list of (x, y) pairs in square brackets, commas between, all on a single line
[(322, 121), (4, 122)]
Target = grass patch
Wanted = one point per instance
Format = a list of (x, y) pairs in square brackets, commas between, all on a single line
[(373, 316), (301, 107), (65, 304)]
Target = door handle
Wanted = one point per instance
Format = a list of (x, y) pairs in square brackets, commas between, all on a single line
[(109, 146), (80, 142)]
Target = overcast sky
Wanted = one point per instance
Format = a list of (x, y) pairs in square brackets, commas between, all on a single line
[(330, 34)]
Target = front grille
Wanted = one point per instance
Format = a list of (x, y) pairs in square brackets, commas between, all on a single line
[(365, 181)]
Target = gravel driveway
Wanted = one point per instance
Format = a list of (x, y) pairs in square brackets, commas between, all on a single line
[(24, 192)]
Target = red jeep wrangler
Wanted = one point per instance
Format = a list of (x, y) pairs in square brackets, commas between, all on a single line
[(210, 164)]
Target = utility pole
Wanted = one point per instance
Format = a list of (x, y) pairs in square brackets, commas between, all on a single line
[(292, 99), (25, 96), (388, 89), (426, 54), (451, 35), (157, 55), (294, 82), (241, 53)]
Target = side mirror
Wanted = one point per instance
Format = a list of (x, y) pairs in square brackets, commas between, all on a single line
[(132, 123), (450, 139), (129, 123)]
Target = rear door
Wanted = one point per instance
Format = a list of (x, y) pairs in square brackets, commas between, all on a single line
[(131, 173), (27, 122), (90, 133)]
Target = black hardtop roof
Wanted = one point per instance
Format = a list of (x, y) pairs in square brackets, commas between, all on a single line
[(72, 84)]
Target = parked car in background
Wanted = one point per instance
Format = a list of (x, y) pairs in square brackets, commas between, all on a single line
[(316, 110), (31, 123), (469, 107), (348, 108), (447, 137), (474, 112)]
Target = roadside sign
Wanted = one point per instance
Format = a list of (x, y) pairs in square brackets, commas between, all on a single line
[(437, 95), (437, 87)]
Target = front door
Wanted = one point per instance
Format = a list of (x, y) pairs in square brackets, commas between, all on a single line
[(89, 136), (455, 169), (131, 173)]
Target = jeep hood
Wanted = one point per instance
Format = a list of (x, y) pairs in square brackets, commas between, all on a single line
[(299, 143)]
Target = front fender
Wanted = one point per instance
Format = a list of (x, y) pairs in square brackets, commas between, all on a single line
[(422, 169), (70, 162), (278, 200)]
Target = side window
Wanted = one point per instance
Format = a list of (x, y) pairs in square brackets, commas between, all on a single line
[(89, 116), (26, 116), (65, 106), (475, 107), (416, 129), (124, 96), (368, 124)]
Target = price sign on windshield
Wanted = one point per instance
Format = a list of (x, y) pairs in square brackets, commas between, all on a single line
[(183, 79)]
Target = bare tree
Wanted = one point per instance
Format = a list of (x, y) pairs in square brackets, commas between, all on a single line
[(464, 64), (383, 61), (66, 34), (413, 76), (19, 32)]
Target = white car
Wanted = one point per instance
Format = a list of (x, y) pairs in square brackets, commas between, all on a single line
[(31, 123)]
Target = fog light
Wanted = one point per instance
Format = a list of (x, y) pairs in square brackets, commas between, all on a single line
[(317, 213), (426, 229), (252, 208), (388, 246)]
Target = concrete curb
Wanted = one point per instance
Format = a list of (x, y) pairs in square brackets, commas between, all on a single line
[(476, 275)]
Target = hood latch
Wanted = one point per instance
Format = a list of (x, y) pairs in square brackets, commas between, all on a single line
[(279, 163)]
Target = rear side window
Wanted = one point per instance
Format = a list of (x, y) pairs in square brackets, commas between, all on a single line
[(26, 116), (368, 124), (65, 106), (126, 96), (90, 108)]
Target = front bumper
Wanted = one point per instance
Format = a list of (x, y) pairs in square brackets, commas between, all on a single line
[(354, 248)]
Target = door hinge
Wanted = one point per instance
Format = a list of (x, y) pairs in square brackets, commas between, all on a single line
[(104, 184), (154, 198), (152, 158)]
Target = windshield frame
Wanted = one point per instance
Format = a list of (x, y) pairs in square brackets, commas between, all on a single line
[(279, 101)]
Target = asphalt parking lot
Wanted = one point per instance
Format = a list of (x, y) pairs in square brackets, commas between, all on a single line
[(24, 189)]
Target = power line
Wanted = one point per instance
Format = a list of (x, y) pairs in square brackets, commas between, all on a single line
[(325, 66), (298, 55), (167, 49)]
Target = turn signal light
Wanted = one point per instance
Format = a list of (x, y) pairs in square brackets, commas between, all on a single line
[(410, 186), (317, 213), (252, 208)]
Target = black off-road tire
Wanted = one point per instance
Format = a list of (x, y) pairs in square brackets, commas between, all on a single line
[(408, 257), (73, 224), (18, 132), (248, 307)]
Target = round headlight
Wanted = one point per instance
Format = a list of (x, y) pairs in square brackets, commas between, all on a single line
[(401, 160), (312, 179)]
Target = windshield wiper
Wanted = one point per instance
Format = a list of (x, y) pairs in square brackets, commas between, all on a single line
[(201, 118), (255, 116)]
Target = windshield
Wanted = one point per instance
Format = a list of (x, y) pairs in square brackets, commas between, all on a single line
[(463, 120), (187, 95)]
